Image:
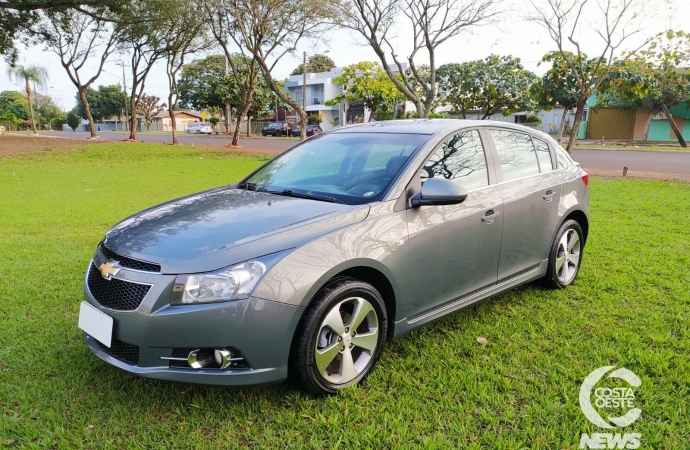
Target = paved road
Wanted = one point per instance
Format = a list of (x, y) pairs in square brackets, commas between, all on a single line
[(655, 163), (638, 162)]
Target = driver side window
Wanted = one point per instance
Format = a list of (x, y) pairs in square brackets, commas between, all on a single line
[(461, 159)]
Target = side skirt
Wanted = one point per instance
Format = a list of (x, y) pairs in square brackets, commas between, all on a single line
[(404, 326)]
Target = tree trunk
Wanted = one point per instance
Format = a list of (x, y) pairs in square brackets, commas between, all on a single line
[(561, 126), (87, 111), (579, 112), (173, 122), (133, 118), (249, 126), (675, 129), (648, 123), (238, 125), (31, 107)]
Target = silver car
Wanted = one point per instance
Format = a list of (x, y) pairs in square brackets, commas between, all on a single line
[(309, 265)]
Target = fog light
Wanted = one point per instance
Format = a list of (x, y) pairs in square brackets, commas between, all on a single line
[(198, 359), (224, 358)]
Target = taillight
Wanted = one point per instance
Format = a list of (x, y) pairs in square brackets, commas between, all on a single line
[(585, 178)]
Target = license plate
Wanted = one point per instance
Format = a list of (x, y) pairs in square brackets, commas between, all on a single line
[(96, 323)]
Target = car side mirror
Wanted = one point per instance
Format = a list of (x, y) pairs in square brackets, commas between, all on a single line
[(439, 191)]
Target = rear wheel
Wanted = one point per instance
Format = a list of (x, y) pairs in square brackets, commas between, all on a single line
[(565, 256), (340, 337)]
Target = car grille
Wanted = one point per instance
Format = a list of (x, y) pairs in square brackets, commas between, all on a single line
[(115, 294), (128, 262), (123, 351)]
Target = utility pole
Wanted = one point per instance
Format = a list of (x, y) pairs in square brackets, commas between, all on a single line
[(304, 83), (124, 86), (228, 108)]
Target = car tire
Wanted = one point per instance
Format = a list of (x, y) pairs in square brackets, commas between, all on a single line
[(565, 256), (324, 329)]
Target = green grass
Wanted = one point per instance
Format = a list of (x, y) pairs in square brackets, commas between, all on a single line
[(436, 388)]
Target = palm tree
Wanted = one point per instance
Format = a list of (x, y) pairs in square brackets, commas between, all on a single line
[(36, 74)]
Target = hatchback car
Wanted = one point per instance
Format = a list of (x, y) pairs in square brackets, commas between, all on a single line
[(276, 129), (311, 130), (311, 263)]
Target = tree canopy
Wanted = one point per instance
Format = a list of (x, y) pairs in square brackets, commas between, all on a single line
[(315, 64), (496, 84), (105, 103), (368, 83)]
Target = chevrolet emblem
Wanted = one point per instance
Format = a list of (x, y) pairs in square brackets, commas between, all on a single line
[(109, 270)]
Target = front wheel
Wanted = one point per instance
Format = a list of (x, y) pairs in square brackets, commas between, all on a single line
[(565, 256), (340, 338)]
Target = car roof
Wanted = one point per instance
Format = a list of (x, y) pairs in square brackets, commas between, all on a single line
[(428, 126)]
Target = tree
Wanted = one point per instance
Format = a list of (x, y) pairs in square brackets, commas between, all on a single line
[(14, 103), (149, 106), (491, 85), (146, 31), (76, 38), (110, 101), (73, 120), (368, 83), (244, 73), (201, 83), (433, 22), (31, 74), (613, 21), (188, 39), (14, 109), (559, 86), (269, 31), (656, 79), (47, 109), (316, 64)]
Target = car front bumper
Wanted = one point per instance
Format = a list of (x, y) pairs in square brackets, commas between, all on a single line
[(260, 329)]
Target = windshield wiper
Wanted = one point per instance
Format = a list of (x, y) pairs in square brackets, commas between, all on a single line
[(291, 193), (247, 186)]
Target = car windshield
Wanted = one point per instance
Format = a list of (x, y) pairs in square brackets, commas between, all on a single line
[(351, 168)]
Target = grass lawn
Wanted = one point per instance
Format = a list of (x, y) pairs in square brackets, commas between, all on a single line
[(437, 387)]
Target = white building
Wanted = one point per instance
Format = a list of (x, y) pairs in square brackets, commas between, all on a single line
[(320, 89)]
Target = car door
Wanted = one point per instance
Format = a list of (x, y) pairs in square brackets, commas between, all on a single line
[(454, 249), (531, 195)]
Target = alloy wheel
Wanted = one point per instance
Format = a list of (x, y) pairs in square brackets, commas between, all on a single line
[(568, 256), (347, 340)]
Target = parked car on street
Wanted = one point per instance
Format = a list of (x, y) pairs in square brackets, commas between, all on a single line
[(276, 129), (312, 262), (199, 128), (311, 130)]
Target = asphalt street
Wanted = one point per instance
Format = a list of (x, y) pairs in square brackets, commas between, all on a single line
[(671, 163)]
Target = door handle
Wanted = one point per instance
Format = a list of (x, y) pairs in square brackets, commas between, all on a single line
[(490, 216), (549, 195)]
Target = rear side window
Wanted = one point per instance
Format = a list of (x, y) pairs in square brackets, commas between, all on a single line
[(461, 159), (562, 158), (543, 155), (515, 153)]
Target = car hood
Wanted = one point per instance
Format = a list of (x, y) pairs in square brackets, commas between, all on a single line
[(224, 226)]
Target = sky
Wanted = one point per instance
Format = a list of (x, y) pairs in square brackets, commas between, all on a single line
[(511, 36)]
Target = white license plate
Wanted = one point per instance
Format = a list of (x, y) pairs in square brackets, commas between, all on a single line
[(96, 324)]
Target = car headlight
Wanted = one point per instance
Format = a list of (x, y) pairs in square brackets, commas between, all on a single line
[(230, 283)]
